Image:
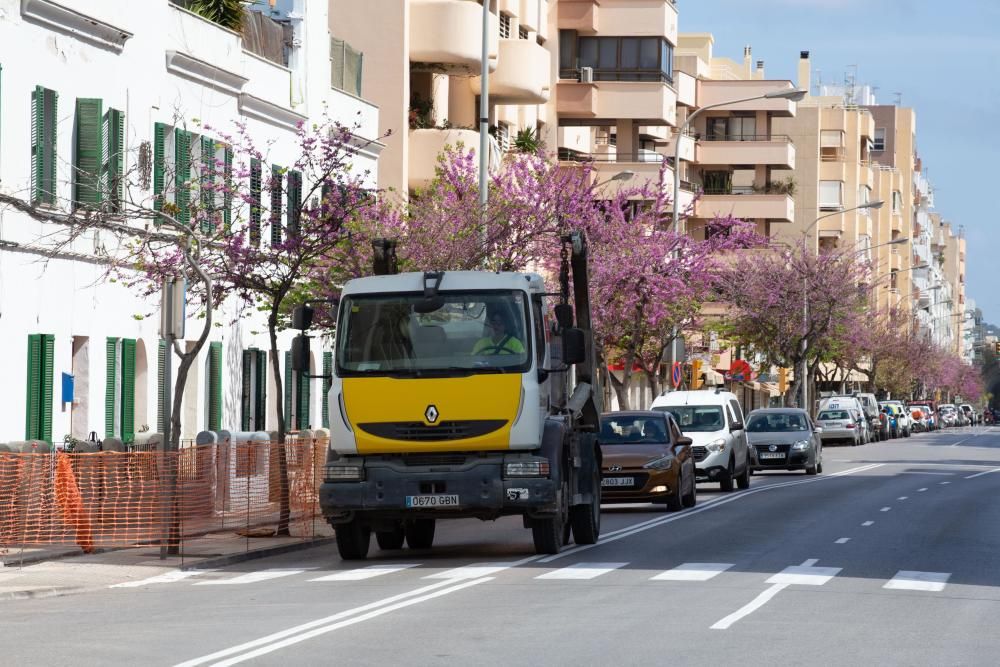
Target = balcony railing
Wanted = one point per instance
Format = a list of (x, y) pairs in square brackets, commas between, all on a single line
[(569, 155), (573, 74), (777, 138), (770, 189)]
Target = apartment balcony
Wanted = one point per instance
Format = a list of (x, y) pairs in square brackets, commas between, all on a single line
[(426, 145), (746, 204), (719, 91), (688, 147), (647, 167), (775, 150), (832, 169), (649, 102), (639, 18), (446, 36), (687, 88), (522, 76)]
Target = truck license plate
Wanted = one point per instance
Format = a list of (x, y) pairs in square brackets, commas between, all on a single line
[(436, 500)]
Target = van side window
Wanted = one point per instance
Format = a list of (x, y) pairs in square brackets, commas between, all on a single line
[(735, 407)]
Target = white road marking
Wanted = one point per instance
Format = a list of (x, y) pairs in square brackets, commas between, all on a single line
[(923, 472), (885, 509), (943, 483), (366, 572), (868, 523), (633, 530), (470, 571), (965, 440), (911, 580), (925, 488), (165, 578), (842, 540), (806, 574), (985, 472), (300, 633), (582, 571), (693, 572), (902, 498), (250, 578)]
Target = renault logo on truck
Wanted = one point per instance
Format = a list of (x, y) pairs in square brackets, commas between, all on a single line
[(431, 414)]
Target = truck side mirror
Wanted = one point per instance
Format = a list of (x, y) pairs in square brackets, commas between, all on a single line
[(574, 347), (300, 354), (302, 317)]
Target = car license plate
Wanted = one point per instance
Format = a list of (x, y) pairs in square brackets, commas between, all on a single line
[(436, 500), (618, 481), (772, 455)]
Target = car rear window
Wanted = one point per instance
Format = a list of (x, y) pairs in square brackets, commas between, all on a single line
[(633, 430), (834, 414)]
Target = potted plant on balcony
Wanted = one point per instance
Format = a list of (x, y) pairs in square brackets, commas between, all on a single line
[(227, 13), (527, 141), (421, 112)]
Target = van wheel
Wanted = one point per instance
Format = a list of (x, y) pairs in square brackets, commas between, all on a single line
[(743, 481), (726, 481)]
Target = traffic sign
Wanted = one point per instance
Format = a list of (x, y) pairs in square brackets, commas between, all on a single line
[(676, 374)]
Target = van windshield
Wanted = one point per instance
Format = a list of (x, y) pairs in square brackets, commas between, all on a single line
[(698, 418)]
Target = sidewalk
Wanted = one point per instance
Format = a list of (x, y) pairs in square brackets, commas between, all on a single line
[(65, 569)]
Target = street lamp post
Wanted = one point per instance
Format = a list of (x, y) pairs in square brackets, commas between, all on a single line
[(484, 110), (793, 95), (804, 348)]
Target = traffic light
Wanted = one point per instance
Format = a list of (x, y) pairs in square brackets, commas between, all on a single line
[(696, 374), (996, 347), (782, 380)]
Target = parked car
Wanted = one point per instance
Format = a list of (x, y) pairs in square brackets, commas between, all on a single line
[(903, 424), (838, 425), (949, 414), (856, 409), (970, 413), (713, 419), (918, 418), (930, 408), (869, 404), (646, 458), (784, 439)]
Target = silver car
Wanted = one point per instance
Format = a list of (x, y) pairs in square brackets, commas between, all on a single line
[(838, 426), (784, 439)]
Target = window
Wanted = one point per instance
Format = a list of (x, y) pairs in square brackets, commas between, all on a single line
[(897, 202), (522, 32), (346, 67), (87, 157), (276, 192), (504, 26), (44, 116), (294, 202), (113, 159), (864, 196), (831, 145), (38, 401), (213, 388), (626, 58), (119, 389), (161, 387), (159, 164), (256, 174), (567, 54), (731, 128), (253, 407), (879, 140), (182, 175), (831, 194)]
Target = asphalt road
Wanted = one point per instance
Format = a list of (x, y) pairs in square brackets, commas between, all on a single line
[(888, 558)]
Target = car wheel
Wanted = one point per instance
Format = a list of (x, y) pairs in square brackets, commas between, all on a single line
[(743, 481), (814, 468), (726, 480), (675, 501), (819, 466), (690, 499), (390, 539), (420, 533), (353, 540), (906, 433)]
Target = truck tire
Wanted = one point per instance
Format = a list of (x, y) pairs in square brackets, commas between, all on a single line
[(420, 533), (547, 535), (353, 540), (390, 539), (586, 519)]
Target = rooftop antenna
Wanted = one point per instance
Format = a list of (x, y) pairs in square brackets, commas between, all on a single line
[(899, 98), (850, 81)]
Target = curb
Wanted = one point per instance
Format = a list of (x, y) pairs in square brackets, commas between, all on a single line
[(42, 558), (266, 552), (43, 593)]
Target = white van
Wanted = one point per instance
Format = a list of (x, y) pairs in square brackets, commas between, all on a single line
[(857, 410), (714, 422)]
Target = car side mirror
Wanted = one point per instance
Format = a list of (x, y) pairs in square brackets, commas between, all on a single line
[(737, 426), (683, 441)]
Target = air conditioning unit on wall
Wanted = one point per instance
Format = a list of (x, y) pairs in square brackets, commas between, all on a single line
[(586, 75)]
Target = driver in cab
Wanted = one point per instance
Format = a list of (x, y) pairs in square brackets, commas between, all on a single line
[(500, 341)]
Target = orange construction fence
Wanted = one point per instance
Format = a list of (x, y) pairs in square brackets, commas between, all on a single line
[(142, 498)]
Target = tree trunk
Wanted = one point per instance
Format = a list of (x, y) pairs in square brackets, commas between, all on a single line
[(621, 390), (284, 511)]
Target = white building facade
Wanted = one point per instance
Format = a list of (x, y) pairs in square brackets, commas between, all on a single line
[(142, 67)]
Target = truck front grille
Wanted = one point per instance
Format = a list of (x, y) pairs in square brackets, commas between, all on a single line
[(420, 432)]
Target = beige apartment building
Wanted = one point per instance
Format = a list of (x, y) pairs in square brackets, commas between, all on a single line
[(422, 60)]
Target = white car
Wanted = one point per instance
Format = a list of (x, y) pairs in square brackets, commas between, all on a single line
[(714, 422), (904, 423)]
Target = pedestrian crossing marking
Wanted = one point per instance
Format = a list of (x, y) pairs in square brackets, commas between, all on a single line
[(250, 578), (693, 572), (165, 578), (911, 580), (806, 575), (471, 571), (366, 572), (582, 571)]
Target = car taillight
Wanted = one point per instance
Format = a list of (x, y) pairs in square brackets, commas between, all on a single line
[(849, 425)]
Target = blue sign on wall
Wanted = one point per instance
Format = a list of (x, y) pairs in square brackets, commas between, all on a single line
[(67, 388)]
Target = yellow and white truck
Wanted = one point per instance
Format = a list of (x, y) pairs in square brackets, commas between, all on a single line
[(463, 394)]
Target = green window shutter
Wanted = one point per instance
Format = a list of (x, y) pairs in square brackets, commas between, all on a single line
[(303, 399), (159, 164), (45, 404), (227, 194), (275, 204), (256, 174), (113, 166), (161, 386), (127, 403), (260, 410), (44, 114), (327, 383), (182, 175), (32, 398), (111, 380), (88, 160), (215, 386), (294, 202), (246, 389), (207, 183), (288, 391)]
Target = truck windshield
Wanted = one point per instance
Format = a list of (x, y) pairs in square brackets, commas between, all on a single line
[(481, 331)]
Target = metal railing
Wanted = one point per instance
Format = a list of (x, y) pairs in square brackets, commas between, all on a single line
[(776, 138), (650, 157), (636, 75)]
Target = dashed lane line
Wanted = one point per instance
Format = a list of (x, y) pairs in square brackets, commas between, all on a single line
[(985, 472)]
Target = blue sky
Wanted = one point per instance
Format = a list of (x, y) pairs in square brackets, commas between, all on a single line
[(943, 57)]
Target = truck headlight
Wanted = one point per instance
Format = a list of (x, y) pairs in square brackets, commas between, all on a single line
[(716, 446), (661, 463), (526, 468), (800, 445), (339, 472)]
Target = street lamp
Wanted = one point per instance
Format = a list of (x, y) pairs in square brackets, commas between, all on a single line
[(804, 384), (484, 110), (624, 175), (793, 95)]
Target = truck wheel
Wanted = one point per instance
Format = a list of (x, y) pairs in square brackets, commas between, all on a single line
[(390, 539), (547, 535), (353, 540), (586, 519), (420, 533)]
